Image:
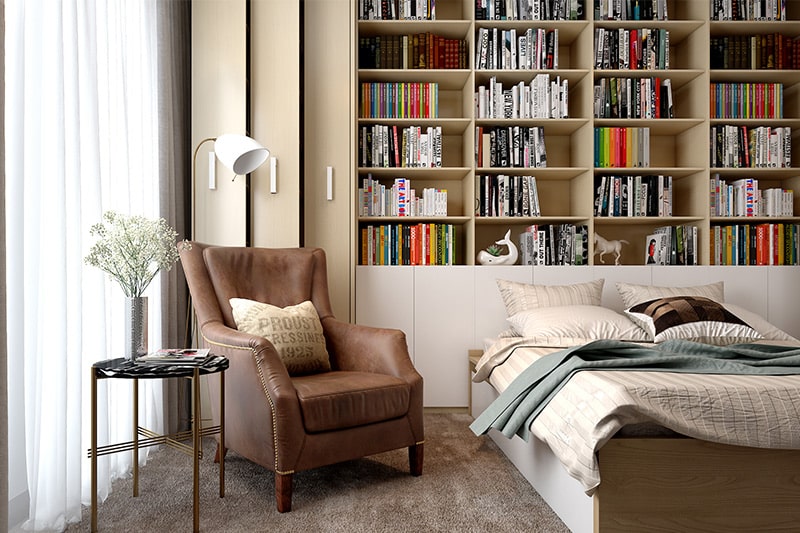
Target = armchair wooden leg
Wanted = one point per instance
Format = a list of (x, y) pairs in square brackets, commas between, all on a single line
[(415, 456), (283, 492)]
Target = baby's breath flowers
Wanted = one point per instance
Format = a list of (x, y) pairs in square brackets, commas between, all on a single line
[(132, 249)]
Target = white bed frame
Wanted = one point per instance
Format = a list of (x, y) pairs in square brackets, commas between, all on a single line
[(664, 484)]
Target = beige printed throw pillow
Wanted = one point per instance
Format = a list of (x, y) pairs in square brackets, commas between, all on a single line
[(295, 331)]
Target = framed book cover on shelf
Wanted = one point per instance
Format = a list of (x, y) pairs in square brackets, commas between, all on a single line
[(657, 249)]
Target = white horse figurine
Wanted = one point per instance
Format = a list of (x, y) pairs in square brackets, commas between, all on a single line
[(485, 258), (603, 246)]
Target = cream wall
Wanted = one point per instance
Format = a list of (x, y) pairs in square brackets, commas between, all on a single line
[(219, 106)]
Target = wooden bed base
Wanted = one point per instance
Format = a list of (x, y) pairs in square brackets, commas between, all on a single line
[(663, 483)]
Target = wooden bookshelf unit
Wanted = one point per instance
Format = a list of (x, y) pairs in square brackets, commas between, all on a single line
[(679, 144)]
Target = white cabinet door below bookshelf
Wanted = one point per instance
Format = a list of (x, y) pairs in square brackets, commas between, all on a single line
[(385, 299), (443, 332)]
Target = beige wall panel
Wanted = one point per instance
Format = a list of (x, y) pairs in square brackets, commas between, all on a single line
[(328, 114), (218, 103), (275, 120)]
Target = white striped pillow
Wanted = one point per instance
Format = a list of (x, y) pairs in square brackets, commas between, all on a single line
[(518, 297)]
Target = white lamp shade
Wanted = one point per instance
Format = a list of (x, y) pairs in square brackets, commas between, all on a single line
[(240, 153)]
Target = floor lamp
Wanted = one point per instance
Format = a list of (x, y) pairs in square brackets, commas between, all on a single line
[(239, 153), (242, 155)]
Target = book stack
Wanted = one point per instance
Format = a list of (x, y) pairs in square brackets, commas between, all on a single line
[(400, 199), (507, 196), (499, 49), (543, 97), (741, 146), (633, 196), (633, 98), (631, 10), (412, 51), (682, 248), (755, 244), (743, 198), (530, 10), (624, 49), (758, 51), (621, 147), (175, 356), (396, 10), (746, 100), (407, 244), (554, 244), (512, 146), (392, 146), (748, 10), (399, 100)]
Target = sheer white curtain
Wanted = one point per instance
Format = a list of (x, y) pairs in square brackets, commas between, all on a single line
[(81, 138)]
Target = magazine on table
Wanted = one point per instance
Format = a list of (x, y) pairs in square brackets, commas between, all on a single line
[(175, 356)]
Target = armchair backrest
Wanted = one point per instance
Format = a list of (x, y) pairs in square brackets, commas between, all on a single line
[(277, 276)]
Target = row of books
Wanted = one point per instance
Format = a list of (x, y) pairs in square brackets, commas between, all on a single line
[(397, 9), (382, 145), (400, 199), (511, 146), (498, 49), (762, 51), (554, 244), (743, 198), (672, 245), (633, 98), (748, 9), (544, 97), (408, 244), (399, 100), (631, 10), (529, 9), (507, 196), (746, 100), (621, 147), (637, 48), (755, 244), (738, 146), (633, 196), (413, 51)]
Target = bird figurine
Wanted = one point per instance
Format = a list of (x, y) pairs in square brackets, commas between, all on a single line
[(491, 256)]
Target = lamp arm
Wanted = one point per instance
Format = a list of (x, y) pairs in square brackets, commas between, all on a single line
[(194, 178)]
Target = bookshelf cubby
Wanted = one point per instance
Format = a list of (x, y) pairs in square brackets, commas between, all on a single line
[(567, 185)]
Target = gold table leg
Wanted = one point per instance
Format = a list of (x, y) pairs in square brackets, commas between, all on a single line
[(94, 450), (196, 445), (222, 434), (135, 437)]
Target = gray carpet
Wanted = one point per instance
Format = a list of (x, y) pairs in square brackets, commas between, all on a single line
[(467, 485)]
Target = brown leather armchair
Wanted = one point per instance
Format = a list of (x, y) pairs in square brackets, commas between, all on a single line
[(370, 402)]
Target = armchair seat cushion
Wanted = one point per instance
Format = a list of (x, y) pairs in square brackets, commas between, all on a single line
[(340, 399)]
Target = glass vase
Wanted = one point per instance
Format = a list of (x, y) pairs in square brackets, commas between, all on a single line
[(135, 327)]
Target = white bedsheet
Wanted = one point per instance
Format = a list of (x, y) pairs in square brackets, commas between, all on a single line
[(756, 411)]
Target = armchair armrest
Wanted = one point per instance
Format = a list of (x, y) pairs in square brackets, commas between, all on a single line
[(262, 383), (368, 349)]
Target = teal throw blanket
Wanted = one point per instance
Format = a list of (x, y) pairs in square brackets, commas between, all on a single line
[(516, 408)]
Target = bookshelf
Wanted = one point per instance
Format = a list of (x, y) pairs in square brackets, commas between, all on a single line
[(567, 186)]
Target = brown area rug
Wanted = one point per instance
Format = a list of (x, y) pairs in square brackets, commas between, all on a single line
[(467, 485)]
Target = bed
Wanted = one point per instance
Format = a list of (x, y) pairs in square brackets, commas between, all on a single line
[(646, 457)]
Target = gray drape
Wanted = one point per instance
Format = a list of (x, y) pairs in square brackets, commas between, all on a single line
[(174, 102)]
